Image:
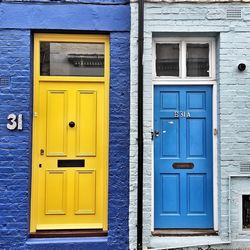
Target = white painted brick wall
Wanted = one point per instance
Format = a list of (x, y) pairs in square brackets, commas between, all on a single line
[(233, 47)]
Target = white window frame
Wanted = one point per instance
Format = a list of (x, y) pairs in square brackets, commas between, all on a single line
[(183, 41)]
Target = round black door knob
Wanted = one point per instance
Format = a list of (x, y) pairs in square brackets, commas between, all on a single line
[(72, 124)]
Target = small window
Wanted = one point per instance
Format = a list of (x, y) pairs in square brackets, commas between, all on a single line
[(167, 59), (246, 211), (71, 59), (197, 60), (184, 58)]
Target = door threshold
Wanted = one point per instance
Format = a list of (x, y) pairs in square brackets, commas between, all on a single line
[(68, 233), (184, 232)]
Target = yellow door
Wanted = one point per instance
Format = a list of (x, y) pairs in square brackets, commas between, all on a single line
[(70, 139)]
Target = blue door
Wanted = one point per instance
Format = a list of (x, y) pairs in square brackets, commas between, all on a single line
[(183, 157)]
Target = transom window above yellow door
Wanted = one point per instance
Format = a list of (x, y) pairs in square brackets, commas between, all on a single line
[(71, 59)]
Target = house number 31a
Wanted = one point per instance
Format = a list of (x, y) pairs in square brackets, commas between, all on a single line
[(182, 114), (15, 122)]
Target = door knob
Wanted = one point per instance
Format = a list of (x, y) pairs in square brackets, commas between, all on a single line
[(72, 124)]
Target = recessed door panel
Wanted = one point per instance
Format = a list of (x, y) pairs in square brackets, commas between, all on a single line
[(171, 194), (86, 120), (196, 137), (55, 190), (183, 157), (196, 188), (170, 100), (170, 137), (85, 193), (196, 100), (56, 122)]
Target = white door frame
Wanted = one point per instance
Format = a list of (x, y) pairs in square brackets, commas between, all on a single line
[(182, 80)]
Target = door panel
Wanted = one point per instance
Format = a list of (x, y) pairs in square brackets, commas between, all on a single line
[(86, 120), (183, 157), (55, 192), (171, 200), (55, 123), (85, 184)]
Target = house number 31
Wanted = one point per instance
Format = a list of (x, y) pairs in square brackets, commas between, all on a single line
[(15, 122)]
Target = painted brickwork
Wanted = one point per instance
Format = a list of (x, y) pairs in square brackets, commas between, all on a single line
[(15, 146), (233, 101), (16, 96)]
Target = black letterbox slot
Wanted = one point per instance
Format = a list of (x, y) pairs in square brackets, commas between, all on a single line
[(71, 163), (183, 165)]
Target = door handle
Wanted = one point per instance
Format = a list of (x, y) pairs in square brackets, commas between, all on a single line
[(72, 124), (154, 133)]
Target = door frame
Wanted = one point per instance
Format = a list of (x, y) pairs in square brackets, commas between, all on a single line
[(162, 81), (38, 37)]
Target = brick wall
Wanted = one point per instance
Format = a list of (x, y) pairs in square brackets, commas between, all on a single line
[(16, 53), (15, 147), (233, 97)]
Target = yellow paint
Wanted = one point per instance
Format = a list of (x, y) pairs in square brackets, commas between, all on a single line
[(70, 198)]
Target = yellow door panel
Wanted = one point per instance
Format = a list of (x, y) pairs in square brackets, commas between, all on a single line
[(56, 120), (85, 193), (55, 192), (70, 147), (86, 120)]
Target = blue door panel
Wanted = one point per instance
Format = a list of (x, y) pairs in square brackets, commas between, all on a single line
[(196, 191), (171, 200), (183, 196), (170, 140), (196, 137)]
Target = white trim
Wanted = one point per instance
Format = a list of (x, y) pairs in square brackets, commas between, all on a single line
[(152, 166), (182, 57), (183, 82), (190, 81), (215, 159)]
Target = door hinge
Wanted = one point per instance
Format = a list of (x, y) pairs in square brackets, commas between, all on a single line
[(215, 131)]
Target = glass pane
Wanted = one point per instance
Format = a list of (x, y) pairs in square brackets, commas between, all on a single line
[(71, 59), (197, 59), (167, 59)]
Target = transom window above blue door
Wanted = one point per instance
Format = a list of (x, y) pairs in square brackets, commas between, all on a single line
[(184, 58)]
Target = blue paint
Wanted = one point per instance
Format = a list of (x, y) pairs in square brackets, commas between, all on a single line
[(65, 16), (16, 22), (99, 243), (183, 197)]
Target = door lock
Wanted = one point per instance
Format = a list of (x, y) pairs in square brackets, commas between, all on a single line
[(155, 133)]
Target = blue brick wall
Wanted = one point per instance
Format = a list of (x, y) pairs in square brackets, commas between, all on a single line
[(110, 2), (15, 146), (119, 146), (15, 149)]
